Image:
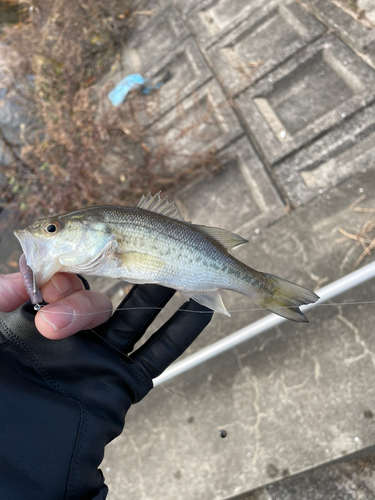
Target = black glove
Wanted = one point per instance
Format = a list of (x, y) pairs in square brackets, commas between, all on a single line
[(62, 401)]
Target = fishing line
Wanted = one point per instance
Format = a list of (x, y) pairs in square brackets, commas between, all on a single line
[(332, 304), (208, 312), (150, 308)]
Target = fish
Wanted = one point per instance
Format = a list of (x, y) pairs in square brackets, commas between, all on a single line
[(152, 243)]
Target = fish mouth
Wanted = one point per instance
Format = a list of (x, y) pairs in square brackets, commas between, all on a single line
[(36, 255), (30, 249)]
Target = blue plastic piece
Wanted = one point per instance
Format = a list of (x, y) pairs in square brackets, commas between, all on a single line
[(118, 94)]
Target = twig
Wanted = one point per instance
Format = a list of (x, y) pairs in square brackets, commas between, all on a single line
[(353, 206), (367, 244), (353, 236)]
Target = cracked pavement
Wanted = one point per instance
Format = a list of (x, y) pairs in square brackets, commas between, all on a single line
[(293, 398), (288, 89)]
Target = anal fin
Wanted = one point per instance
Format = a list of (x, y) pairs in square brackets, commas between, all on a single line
[(211, 299)]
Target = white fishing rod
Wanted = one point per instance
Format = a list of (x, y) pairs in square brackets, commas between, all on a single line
[(326, 293)]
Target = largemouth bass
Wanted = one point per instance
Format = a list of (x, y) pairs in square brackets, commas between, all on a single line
[(151, 243)]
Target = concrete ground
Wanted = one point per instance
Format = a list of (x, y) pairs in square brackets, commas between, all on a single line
[(294, 398), (285, 91), (353, 479)]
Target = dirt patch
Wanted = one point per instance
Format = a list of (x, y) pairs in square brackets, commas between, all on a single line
[(73, 156)]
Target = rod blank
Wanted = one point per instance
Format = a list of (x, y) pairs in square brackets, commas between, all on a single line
[(326, 293)]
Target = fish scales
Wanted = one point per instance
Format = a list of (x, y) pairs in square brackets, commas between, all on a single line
[(188, 244), (151, 243), (162, 236)]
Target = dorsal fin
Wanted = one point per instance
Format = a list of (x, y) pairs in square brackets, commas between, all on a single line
[(226, 238), (159, 206)]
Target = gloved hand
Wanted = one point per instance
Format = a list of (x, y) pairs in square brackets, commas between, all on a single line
[(63, 400)]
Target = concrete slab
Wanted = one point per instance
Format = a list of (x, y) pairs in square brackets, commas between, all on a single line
[(348, 480), (160, 37), (289, 400), (347, 25), (148, 10), (188, 71), (308, 95), (366, 10), (200, 123), (211, 19), (266, 39), (186, 6), (334, 157), (244, 178)]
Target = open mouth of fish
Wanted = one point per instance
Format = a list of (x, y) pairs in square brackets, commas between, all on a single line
[(33, 252), (36, 254)]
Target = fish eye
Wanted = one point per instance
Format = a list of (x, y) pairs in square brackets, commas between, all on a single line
[(52, 227)]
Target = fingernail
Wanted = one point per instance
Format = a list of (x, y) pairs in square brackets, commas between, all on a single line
[(54, 283), (58, 316), (65, 285)]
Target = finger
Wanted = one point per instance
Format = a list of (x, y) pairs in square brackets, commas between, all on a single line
[(134, 315), (79, 311), (173, 338), (61, 285), (12, 292)]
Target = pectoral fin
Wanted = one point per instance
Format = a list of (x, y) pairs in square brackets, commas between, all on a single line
[(212, 300)]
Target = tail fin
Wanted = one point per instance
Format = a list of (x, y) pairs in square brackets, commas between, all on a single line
[(284, 298)]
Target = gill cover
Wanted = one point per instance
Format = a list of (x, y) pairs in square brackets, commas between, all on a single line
[(67, 245)]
